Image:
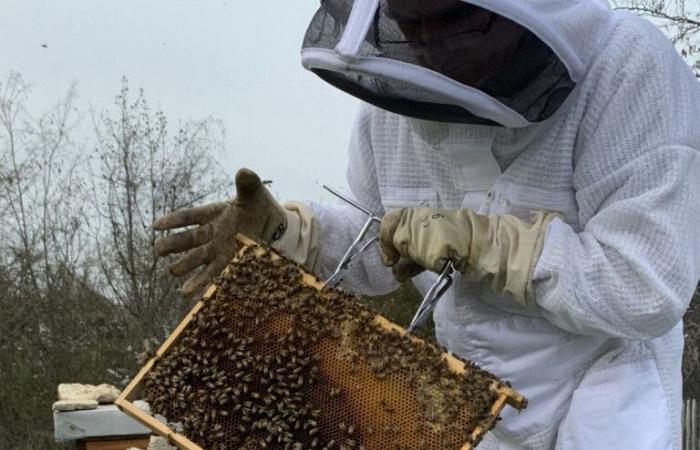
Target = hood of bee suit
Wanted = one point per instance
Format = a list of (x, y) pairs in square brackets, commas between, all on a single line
[(449, 75)]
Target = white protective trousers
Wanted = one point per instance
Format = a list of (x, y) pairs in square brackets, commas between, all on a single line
[(600, 359)]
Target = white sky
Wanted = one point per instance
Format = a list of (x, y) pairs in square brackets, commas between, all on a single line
[(235, 60)]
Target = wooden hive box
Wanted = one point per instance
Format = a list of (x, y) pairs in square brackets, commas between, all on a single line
[(268, 358)]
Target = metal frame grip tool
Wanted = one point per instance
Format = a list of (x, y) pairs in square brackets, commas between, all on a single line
[(360, 244)]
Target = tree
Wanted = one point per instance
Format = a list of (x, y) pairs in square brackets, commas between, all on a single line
[(141, 174), (680, 20), (43, 243), (81, 286)]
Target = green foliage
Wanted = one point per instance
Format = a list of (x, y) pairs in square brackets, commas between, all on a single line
[(400, 306), (691, 356), (42, 350)]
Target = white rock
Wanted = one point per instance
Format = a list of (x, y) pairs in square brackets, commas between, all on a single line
[(104, 393), (159, 443), (72, 405), (143, 406)]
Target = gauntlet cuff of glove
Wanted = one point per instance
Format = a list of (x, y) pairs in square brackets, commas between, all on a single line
[(546, 219), (300, 241), (508, 253)]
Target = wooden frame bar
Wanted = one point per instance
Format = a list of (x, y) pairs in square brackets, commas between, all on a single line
[(505, 395)]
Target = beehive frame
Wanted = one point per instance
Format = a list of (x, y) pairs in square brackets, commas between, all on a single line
[(504, 395)]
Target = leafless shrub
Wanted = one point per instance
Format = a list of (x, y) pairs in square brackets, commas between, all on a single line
[(80, 284), (140, 173), (679, 19)]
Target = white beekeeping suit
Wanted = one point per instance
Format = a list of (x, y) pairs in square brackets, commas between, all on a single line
[(605, 132), (488, 112)]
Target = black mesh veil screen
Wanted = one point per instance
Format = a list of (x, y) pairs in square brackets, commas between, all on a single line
[(460, 42)]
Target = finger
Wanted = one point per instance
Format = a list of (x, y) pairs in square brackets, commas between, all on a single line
[(204, 277), (390, 222), (406, 269), (185, 240), (193, 259), (248, 185), (189, 216)]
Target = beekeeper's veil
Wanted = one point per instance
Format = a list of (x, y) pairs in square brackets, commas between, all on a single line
[(363, 48)]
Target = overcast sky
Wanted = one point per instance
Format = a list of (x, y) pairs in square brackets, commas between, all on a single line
[(234, 60)]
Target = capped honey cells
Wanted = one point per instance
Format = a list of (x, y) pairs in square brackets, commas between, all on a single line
[(269, 361)]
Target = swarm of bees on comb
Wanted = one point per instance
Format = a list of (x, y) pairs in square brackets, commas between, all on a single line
[(272, 361)]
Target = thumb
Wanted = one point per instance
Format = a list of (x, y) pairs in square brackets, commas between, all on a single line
[(248, 185), (405, 269), (390, 222)]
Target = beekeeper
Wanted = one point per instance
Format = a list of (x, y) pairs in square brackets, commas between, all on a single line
[(549, 149)]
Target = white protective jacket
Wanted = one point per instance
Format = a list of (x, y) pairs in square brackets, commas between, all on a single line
[(600, 360)]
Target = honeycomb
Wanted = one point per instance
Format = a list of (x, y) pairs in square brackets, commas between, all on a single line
[(270, 361)]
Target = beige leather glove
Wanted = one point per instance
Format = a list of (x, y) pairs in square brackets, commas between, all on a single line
[(253, 212), (502, 248)]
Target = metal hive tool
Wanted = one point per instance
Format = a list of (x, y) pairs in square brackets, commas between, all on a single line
[(270, 359), (361, 243)]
